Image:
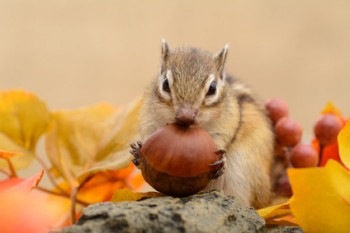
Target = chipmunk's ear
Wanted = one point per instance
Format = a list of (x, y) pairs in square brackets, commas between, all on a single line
[(220, 59), (165, 51)]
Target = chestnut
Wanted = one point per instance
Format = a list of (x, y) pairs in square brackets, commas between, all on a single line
[(178, 160)]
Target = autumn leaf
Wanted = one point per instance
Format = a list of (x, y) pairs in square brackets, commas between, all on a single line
[(330, 151), (331, 109), (82, 142), (28, 184), (13, 201), (54, 208), (344, 145), (6, 156), (278, 214), (23, 119), (102, 185), (275, 211), (19, 184), (321, 198), (129, 195), (73, 137)]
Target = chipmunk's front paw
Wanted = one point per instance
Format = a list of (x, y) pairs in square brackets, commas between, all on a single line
[(135, 151), (219, 165)]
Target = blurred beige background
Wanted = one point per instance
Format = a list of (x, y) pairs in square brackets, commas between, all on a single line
[(76, 53)]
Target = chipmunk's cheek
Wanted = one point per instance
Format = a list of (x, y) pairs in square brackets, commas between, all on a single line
[(202, 118)]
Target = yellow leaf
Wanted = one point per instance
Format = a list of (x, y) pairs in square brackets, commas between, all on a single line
[(82, 142), (23, 119), (73, 138), (344, 144), (278, 214), (18, 162), (124, 129), (275, 211), (321, 198), (128, 195)]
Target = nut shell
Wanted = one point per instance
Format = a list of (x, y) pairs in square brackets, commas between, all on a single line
[(176, 160)]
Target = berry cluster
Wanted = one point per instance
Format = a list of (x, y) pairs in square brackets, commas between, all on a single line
[(289, 152)]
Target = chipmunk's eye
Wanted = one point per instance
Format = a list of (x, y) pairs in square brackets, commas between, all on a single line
[(212, 89), (166, 85)]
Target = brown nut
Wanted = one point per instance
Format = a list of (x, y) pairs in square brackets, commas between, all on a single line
[(177, 160)]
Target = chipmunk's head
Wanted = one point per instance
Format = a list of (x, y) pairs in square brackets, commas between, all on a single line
[(191, 82)]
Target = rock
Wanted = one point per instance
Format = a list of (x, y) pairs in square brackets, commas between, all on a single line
[(203, 212)]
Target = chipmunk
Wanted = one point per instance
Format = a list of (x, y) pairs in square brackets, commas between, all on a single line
[(193, 88)]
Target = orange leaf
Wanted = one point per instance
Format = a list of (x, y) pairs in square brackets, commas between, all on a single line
[(102, 185), (136, 181), (330, 152), (316, 145)]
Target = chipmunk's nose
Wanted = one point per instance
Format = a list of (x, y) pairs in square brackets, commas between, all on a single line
[(186, 115)]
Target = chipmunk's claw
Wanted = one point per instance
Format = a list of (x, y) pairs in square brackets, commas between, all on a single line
[(219, 165), (135, 151), (136, 162), (217, 174), (220, 162)]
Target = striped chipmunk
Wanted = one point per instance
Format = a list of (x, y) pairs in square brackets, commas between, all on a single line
[(193, 87)]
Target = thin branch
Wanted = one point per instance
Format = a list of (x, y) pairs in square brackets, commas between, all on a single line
[(320, 155), (61, 195), (73, 199), (51, 178), (12, 169)]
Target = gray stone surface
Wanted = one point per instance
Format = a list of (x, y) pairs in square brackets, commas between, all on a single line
[(204, 212)]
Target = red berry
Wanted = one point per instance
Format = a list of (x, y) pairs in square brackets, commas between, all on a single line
[(327, 129), (288, 132), (304, 156), (276, 109)]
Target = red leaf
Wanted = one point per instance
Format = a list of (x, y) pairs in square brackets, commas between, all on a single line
[(27, 184)]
